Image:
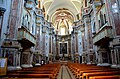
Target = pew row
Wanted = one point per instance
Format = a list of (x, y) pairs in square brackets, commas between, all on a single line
[(84, 71), (46, 71), (88, 75), (106, 77), (24, 78)]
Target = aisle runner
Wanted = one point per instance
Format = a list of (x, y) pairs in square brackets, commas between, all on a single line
[(65, 73)]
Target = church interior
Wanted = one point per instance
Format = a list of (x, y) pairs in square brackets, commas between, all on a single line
[(59, 39)]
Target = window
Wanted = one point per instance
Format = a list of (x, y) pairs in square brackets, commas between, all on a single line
[(26, 17), (26, 20), (101, 19), (105, 20), (28, 25), (62, 30), (32, 28), (93, 28), (99, 23), (23, 21)]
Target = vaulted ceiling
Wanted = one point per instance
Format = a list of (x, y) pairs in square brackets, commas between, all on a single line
[(58, 10)]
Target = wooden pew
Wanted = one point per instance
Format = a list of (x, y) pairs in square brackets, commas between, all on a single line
[(47, 71), (105, 77), (24, 78), (97, 70), (76, 68), (79, 69), (50, 76), (107, 73)]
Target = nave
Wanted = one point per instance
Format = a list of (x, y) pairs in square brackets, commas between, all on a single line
[(66, 70)]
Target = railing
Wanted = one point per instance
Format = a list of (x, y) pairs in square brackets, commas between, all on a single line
[(23, 33), (103, 33)]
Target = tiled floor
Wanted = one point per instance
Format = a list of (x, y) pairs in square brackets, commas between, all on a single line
[(65, 73)]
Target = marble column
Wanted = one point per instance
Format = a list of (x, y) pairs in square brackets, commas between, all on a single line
[(76, 40), (114, 59), (43, 41), (40, 59), (69, 48), (53, 47), (36, 59), (50, 47), (27, 57), (18, 58), (88, 38)]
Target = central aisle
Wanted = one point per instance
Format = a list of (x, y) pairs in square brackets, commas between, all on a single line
[(65, 73)]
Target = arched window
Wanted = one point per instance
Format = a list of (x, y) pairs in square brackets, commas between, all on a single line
[(32, 28), (26, 20), (94, 28), (62, 30), (101, 19), (26, 17), (23, 21)]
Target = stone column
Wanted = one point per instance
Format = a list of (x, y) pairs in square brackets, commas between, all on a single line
[(14, 19), (27, 57), (18, 57), (40, 59), (44, 28), (53, 47), (76, 41), (57, 43), (99, 58), (50, 42), (114, 59), (69, 47), (50, 50), (31, 58), (88, 38), (72, 46)]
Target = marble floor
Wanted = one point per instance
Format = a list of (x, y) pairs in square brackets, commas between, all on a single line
[(65, 73)]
